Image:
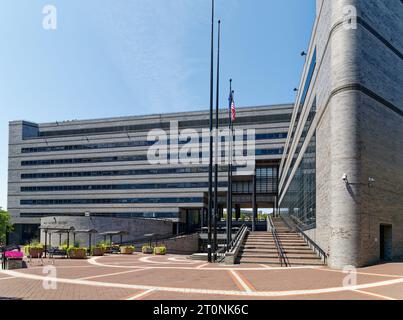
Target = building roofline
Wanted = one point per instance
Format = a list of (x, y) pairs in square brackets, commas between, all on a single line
[(150, 116)]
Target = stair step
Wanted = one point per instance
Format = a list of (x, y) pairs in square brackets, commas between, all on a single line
[(277, 262), (275, 255), (286, 235), (273, 245), (273, 242), (274, 250)]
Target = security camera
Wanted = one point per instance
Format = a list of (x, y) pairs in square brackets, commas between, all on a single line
[(345, 178), (371, 180)]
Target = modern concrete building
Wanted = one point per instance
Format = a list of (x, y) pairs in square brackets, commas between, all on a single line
[(341, 174), (102, 167), (338, 172)]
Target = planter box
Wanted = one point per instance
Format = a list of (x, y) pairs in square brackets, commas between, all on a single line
[(98, 252), (35, 252), (126, 250), (160, 251), (13, 264), (77, 254), (147, 250)]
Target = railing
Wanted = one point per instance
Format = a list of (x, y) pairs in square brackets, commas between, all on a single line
[(236, 238), (220, 255), (232, 250), (279, 248), (318, 250)]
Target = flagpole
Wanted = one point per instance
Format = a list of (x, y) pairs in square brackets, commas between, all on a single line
[(215, 246), (210, 178), (229, 193)]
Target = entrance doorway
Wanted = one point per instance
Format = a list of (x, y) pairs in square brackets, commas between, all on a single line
[(385, 237)]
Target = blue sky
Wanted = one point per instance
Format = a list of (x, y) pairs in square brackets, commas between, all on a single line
[(128, 57)]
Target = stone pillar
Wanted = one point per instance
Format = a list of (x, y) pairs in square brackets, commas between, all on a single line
[(344, 141)]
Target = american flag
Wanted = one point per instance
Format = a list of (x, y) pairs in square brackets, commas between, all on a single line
[(233, 109)]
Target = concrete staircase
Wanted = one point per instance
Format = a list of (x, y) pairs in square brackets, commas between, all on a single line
[(260, 248)]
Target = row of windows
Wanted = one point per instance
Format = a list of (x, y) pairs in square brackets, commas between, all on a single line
[(129, 144), (185, 185), (133, 172), (275, 118), (307, 127), (307, 84), (266, 182), (108, 201), (155, 215), (49, 175), (276, 151)]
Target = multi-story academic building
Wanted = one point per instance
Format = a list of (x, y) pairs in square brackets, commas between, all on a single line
[(332, 163), (102, 167)]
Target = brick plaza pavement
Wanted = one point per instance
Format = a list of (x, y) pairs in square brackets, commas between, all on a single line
[(172, 277)]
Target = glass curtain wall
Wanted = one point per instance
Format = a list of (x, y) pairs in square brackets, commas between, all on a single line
[(300, 198)]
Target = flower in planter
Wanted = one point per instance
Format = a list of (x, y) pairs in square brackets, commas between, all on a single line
[(160, 251), (14, 255)]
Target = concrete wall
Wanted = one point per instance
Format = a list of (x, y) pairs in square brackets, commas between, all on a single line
[(186, 245), (137, 228)]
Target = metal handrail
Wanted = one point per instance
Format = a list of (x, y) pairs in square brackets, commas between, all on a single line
[(220, 254), (318, 250), (277, 242), (236, 238), (232, 250)]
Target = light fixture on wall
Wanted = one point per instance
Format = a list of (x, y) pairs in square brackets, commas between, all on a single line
[(303, 54), (371, 182), (345, 178)]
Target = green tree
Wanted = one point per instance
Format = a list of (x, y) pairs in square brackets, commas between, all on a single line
[(5, 225)]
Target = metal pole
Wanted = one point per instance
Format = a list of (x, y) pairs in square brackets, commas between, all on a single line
[(229, 192), (217, 124), (46, 241), (210, 191), (254, 204)]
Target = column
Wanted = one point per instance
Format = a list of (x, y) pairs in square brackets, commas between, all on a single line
[(254, 204), (237, 212)]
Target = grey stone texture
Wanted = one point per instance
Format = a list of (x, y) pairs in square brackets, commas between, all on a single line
[(358, 85)]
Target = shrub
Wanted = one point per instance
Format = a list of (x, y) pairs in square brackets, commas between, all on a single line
[(160, 250)]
